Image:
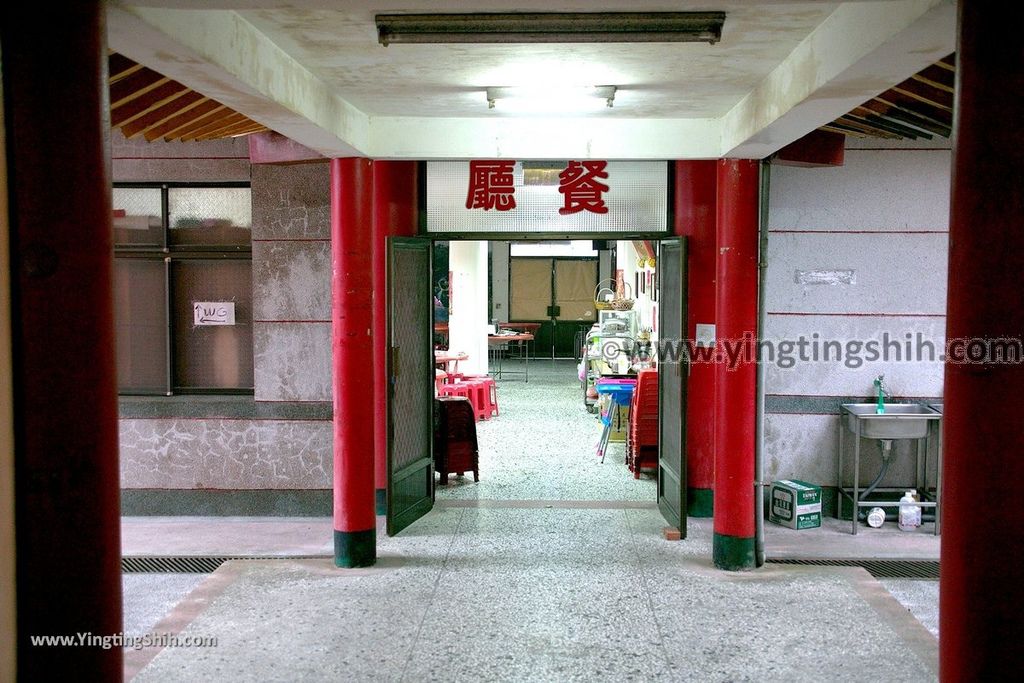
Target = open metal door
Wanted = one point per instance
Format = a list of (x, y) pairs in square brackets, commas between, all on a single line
[(410, 391), (673, 369)]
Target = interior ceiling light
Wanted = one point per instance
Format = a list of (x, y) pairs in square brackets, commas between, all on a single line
[(552, 27), (558, 99)]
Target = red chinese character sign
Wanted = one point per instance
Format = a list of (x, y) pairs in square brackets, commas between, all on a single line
[(580, 185), (491, 185), (503, 196)]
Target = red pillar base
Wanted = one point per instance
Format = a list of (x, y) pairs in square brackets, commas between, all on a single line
[(355, 521), (736, 390), (695, 218)]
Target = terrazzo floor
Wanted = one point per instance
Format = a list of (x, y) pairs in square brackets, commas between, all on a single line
[(551, 568), (507, 593), (542, 445)]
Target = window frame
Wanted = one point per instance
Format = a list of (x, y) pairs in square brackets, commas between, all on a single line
[(168, 254)]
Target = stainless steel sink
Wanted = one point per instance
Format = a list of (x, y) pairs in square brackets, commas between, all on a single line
[(899, 421)]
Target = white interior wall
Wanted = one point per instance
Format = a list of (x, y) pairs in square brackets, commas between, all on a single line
[(499, 281), (468, 306), (855, 252), (627, 260)]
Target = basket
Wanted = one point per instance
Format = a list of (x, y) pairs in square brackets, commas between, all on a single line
[(599, 303), (618, 303)]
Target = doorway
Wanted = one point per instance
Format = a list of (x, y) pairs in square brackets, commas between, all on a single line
[(556, 293), (541, 443)]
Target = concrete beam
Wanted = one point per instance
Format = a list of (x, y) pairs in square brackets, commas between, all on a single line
[(817, 148), (222, 56), (544, 138), (861, 50)]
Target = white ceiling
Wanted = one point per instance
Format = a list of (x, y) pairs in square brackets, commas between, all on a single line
[(655, 80), (313, 70)]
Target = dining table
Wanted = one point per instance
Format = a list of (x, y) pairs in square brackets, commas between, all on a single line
[(520, 343), (449, 360)]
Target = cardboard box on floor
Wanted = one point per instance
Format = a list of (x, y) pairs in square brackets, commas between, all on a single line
[(795, 504), (620, 424)]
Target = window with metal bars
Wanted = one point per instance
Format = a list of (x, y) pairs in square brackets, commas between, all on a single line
[(178, 246)]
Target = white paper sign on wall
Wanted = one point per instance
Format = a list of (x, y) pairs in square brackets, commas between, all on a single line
[(705, 334), (213, 313)]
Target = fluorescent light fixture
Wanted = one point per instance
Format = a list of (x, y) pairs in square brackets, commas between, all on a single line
[(552, 27), (551, 99)]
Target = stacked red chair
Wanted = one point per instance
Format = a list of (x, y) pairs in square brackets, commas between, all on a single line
[(642, 442), (455, 444), (491, 403)]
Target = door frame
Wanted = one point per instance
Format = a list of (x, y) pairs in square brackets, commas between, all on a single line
[(397, 520), (682, 369)]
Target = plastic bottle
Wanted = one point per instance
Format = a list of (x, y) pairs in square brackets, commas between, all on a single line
[(876, 518), (910, 515)]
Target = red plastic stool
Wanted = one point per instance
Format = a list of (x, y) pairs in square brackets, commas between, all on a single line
[(479, 396), (492, 392), (460, 389)]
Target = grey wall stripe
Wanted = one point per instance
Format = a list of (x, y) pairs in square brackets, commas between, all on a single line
[(230, 407), (229, 503), (829, 405)]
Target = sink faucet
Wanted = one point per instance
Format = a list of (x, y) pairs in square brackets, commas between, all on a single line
[(882, 393)]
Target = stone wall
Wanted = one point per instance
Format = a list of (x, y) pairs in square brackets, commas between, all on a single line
[(270, 453), (855, 252)]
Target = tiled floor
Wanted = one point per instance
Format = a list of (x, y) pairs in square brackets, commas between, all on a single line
[(551, 568), (539, 594), (542, 446)]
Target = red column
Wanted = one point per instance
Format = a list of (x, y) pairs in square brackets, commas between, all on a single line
[(982, 587), (695, 216), (735, 407), (355, 524), (395, 213), (65, 392)]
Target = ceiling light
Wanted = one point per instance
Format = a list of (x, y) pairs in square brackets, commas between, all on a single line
[(552, 27), (551, 99)]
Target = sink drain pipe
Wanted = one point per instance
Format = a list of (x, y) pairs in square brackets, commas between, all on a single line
[(762, 270), (885, 448)]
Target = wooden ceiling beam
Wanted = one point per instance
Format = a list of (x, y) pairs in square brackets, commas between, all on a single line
[(926, 94), (918, 107), (198, 122), (119, 66), (244, 128), (869, 118), (884, 108), (183, 120), (864, 127), (179, 105), (220, 123), (146, 102), (134, 85), (831, 128), (935, 84)]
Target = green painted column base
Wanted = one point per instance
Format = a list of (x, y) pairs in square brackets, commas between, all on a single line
[(700, 502), (382, 501), (355, 548), (733, 554)]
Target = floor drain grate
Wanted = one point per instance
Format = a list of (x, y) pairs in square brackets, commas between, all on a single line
[(880, 569), (202, 564)]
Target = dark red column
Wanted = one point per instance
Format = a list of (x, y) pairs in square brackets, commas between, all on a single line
[(982, 587), (65, 392), (355, 523), (695, 217), (395, 214), (735, 399)]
